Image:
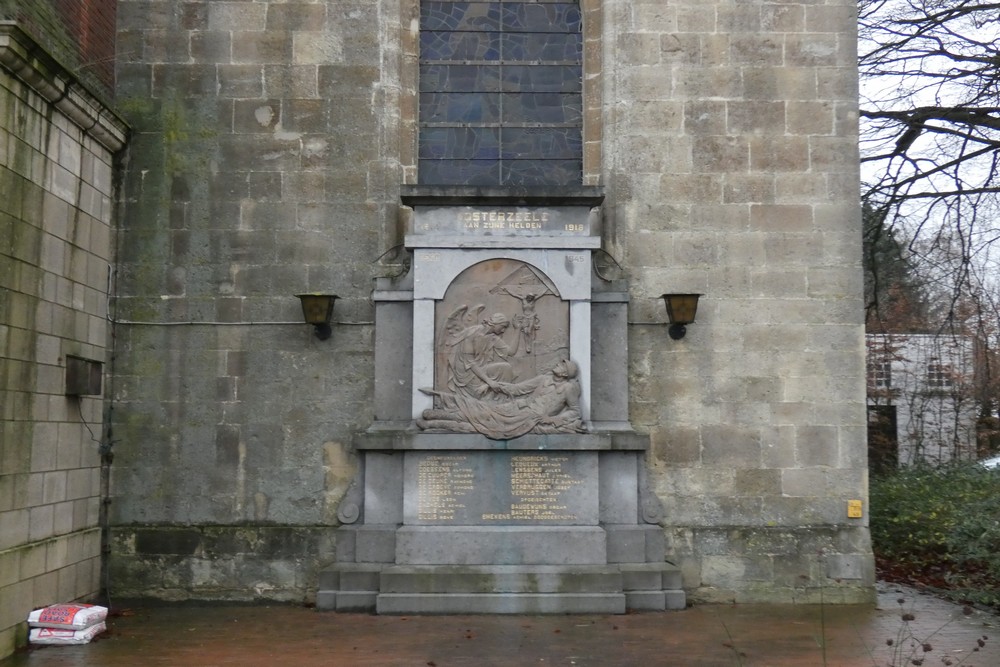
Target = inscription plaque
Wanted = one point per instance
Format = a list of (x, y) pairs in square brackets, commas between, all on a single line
[(500, 488), (503, 221)]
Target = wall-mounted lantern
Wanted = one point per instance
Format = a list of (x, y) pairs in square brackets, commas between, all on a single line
[(318, 311), (681, 310)]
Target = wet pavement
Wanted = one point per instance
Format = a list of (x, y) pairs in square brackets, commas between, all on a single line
[(702, 635)]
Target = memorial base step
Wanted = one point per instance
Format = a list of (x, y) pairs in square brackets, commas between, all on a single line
[(501, 603), (501, 579), (500, 589)]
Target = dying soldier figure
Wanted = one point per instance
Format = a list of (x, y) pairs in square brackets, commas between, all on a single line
[(548, 403)]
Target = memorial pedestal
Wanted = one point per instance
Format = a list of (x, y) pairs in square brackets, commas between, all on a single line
[(501, 527)]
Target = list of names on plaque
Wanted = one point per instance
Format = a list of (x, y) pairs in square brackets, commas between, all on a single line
[(443, 481), (489, 488), (537, 488)]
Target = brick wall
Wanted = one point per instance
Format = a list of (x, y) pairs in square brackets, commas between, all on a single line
[(80, 33), (92, 25)]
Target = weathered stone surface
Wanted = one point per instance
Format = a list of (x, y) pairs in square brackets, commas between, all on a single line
[(645, 600), (503, 603), (512, 545), (267, 162), (501, 579)]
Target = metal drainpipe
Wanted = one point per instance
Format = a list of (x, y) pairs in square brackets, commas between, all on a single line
[(106, 446)]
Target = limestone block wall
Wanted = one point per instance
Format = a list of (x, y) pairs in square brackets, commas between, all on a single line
[(271, 141), (264, 164), (732, 171), (57, 146)]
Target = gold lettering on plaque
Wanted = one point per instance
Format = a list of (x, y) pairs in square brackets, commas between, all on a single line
[(443, 482), (537, 485), (502, 220)]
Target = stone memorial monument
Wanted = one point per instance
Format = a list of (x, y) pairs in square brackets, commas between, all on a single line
[(501, 474)]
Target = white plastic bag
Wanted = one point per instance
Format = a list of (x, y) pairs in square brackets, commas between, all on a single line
[(64, 636)]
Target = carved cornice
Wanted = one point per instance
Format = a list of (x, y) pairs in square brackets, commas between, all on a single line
[(458, 195), (28, 61), (397, 439)]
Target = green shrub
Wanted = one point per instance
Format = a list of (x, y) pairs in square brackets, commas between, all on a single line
[(940, 526), (975, 546)]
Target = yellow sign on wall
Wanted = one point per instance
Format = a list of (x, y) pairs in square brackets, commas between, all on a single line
[(854, 510)]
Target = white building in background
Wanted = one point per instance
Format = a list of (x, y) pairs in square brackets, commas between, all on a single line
[(921, 399)]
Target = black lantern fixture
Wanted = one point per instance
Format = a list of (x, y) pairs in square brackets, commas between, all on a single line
[(681, 309), (318, 311)]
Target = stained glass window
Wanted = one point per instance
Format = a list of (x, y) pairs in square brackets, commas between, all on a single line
[(501, 97)]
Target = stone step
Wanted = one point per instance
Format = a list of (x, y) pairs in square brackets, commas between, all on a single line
[(351, 577), (650, 576), (484, 578), (501, 579), (499, 589), (501, 603)]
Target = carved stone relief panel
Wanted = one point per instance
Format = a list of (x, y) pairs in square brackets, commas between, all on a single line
[(501, 355)]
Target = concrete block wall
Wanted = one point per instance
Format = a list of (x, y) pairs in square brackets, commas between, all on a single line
[(732, 171), (56, 180)]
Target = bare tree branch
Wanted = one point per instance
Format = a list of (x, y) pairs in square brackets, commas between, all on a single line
[(930, 150), (930, 106)]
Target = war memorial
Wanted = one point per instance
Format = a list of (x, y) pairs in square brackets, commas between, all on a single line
[(515, 491)]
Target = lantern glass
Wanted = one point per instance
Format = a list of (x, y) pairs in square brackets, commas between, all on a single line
[(317, 308), (681, 308)]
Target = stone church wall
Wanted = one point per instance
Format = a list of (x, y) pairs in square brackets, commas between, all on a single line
[(262, 166), (732, 171), (271, 141)]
